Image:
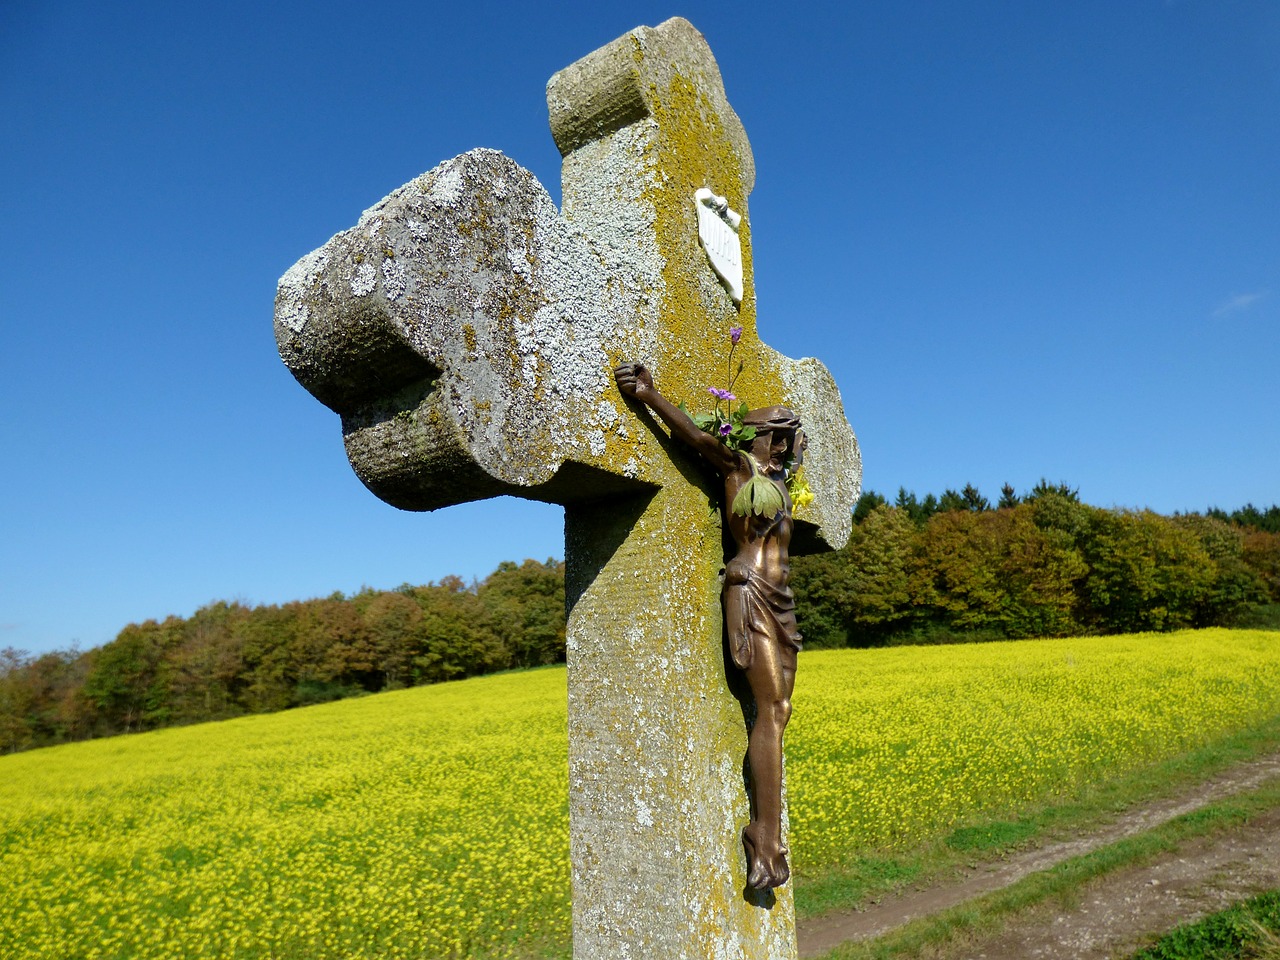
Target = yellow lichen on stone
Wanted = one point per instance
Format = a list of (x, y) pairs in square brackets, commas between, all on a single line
[(695, 151)]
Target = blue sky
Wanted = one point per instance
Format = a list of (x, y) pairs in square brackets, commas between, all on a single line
[(1029, 240)]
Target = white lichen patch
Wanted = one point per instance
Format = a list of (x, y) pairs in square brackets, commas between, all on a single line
[(644, 815), (363, 280), (294, 288), (393, 282), (292, 310), (448, 184), (607, 414), (518, 259)]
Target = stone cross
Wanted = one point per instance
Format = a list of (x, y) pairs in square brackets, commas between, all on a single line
[(466, 331)]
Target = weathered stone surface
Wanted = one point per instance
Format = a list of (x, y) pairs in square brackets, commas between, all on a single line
[(466, 332), (459, 329)]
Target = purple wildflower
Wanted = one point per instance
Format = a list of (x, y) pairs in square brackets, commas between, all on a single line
[(726, 429), (721, 394), (735, 334)]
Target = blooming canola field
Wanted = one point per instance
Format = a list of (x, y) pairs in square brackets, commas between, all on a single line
[(433, 822)]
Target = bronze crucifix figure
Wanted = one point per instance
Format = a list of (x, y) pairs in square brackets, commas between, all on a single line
[(759, 610)]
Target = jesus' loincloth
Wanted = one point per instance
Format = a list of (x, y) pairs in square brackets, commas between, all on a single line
[(761, 612)]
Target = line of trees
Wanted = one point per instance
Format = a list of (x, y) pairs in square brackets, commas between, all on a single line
[(229, 659), (955, 568), (942, 569)]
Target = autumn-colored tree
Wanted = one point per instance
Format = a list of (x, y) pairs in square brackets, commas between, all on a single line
[(393, 623), (998, 573), (858, 596), (1261, 551), (1060, 510), (42, 701), (333, 654), (206, 665), (1236, 586), (16, 702), (1145, 572), (525, 604), (128, 679)]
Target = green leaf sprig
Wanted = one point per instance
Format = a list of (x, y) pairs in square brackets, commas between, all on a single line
[(759, 495)]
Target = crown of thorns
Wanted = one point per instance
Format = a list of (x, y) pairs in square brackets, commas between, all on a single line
[(770, 419)]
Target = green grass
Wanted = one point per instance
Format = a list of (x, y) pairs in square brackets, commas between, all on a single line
[(1248, 929), (998, 835)]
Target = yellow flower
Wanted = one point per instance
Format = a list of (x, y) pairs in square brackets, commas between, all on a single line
[(798, 487)]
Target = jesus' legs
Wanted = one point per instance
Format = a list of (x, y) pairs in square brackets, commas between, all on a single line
[(771, 683)]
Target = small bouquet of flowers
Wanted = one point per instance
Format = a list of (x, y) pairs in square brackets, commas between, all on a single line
[(728, 425)]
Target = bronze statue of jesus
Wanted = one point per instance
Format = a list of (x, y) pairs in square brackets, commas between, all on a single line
[(759, 610)]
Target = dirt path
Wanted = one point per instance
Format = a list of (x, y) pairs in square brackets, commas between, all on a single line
[(1125, 910), (1129, 903)]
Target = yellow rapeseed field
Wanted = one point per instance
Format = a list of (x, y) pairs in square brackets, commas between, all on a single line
[(428, 822), (892, 746), (432, 822)]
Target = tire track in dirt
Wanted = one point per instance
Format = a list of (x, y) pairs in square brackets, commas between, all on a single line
[(819, 935), (1128, 909)]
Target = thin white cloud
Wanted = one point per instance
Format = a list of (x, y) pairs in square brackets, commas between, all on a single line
[(1240, 302)]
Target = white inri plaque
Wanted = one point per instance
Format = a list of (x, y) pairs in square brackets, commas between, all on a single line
[(718, 231)]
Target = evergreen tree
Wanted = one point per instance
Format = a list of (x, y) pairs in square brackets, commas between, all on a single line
[(866, 503), (973, 500), (1008, 498), (1061, 489), (908, 504)]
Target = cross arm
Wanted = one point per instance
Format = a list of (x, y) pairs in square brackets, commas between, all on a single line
[(461, 329)]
